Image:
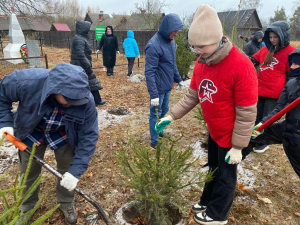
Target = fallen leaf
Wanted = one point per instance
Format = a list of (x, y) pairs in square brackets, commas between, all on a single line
[(297, 214), (265, 200)]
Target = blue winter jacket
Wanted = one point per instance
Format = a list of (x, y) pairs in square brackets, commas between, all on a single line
[(32, 87), (160, 69), (130, 46)]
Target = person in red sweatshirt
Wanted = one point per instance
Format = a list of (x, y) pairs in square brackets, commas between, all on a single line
[(273, 71), (224, 82)]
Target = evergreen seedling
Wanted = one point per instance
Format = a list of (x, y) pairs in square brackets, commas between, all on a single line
[(159, 177), (11, 213)]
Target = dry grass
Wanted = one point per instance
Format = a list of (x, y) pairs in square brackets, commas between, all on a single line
[(275, 178), (296, 44)]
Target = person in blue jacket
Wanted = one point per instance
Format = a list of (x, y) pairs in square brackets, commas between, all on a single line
[(131, 50), (56, 109), (161, 70)]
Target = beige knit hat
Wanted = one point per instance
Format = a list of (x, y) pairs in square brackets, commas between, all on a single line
[(206, 28)]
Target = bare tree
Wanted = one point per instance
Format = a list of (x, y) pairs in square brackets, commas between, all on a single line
[(152, 11), (27, 7), (251, 4)]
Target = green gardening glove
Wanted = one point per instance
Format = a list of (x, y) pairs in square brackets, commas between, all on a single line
[(256, 133), (159, 127)]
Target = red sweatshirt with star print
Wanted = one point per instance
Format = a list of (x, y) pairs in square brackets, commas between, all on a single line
[(221, 87)]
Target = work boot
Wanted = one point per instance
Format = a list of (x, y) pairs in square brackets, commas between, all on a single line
[(101, 103), (70, 215), (24, 218)]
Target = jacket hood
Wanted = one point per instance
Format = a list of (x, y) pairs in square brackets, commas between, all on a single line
[(296, 52), (170, 23), (112, 30), (282, 29), (130, 34), (258, 35), (83, 27), (66, 79)]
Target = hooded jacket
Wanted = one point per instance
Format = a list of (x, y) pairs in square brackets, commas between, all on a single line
[(32, 87), (272, 78), (130, 46), (110, 47), (160, 68), (254, 46), (81, 52), (291, 91)]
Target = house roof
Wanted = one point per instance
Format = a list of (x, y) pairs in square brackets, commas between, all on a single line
[(246, 19), (126, 22), (41, 24), (25, 23), (60, 27)]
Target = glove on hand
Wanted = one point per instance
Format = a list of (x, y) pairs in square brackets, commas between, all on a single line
[(97, 51), (233, 156), (68, 181), (9, 130), (159, 127), (256, 133), (139, 56), (154, 102), (118, 52)]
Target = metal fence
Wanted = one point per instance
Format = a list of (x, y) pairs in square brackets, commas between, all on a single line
[(8, 65)]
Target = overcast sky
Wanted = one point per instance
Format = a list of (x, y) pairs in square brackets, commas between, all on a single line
[(183, 7)]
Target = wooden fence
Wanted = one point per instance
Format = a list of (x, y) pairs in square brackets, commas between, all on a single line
[(63, 39)]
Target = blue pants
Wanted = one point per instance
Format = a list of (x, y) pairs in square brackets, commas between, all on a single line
[(163, 108)]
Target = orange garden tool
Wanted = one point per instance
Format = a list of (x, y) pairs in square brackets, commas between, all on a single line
[(20, 145)]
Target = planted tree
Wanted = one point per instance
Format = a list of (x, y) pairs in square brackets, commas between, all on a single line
[(184, 55), (11, 214)]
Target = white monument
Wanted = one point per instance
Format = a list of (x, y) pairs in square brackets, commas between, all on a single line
[(16, 40)]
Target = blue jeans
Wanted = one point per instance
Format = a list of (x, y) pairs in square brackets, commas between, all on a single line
[(163, 108)]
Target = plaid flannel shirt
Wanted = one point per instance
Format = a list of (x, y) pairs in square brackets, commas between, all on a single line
[(50, 130)]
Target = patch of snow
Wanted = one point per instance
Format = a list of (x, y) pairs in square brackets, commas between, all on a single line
[(185, 85), (8, 156), (106, 119), (245, 177), (137, 78), (198, 151), (246, 199)]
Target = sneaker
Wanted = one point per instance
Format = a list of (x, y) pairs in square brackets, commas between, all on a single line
[(202, 218), (261, 149), (197, 208), (70, 215), (153, 146), (162, 135)]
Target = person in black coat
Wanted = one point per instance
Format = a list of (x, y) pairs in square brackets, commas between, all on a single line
[(109, 42), (286, 132), (254, 45), (81, 55)]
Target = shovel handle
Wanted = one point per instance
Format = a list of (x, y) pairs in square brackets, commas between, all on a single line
[(20, 145)]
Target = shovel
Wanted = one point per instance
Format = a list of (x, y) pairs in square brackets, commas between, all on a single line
[(20, 145)]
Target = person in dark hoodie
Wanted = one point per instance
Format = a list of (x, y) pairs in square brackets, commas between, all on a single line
[(81, 55), (109, 42), (254, 45), (161, 70), (56, 109), (285, 132), (274, 69)]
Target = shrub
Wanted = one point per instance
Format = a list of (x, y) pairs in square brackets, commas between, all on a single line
[(11, 209), (184, 55)]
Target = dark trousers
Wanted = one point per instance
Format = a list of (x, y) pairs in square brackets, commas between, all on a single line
[(130, 65), (64, 156), (97, 97), (218, 194), (110, 70), (274, 135), (265, 105)]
